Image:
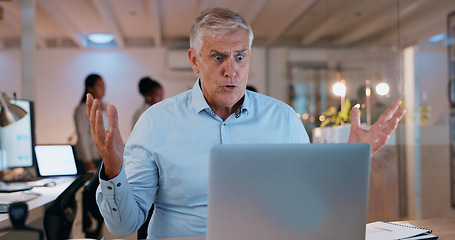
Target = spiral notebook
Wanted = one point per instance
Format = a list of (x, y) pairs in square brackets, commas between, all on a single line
[(386, 230)]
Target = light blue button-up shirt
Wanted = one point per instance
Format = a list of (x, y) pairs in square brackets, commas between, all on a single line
[(166, 160)]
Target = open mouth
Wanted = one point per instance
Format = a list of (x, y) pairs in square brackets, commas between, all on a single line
[(229, 87)]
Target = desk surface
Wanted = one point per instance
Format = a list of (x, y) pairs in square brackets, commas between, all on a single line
[(443, 227), (36, 206)]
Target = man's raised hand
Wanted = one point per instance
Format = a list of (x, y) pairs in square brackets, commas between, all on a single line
[(109, 143)]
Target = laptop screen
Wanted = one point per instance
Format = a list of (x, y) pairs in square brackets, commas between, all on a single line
[(288, 191), (55, 160)]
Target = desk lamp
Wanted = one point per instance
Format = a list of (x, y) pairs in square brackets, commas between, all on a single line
[(9, 113)]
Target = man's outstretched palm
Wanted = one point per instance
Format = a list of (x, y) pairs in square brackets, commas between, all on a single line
[(380, 132), (109, 143)]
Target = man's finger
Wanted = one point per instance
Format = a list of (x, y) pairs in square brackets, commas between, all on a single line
[(92, 119), (388, 113), (99, 127), (393, 122), (89, 103), (96, 122), (112, 117), (355, 117)]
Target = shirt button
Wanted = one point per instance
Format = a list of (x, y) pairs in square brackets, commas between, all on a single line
[(119, 184), (109, 187), (224, 124), (114, 209)]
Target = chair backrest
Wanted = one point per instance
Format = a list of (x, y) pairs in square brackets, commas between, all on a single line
[(143, 230), (59, 217)]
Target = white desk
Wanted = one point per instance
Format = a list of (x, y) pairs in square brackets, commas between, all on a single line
[(37, 206), (443, 227)]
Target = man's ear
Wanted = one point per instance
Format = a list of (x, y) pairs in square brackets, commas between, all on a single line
[(194, 60)]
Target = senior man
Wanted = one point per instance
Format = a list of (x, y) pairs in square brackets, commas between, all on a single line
[(165, 160)]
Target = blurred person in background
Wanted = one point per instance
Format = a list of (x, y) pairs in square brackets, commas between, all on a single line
[(89, 158), (152, 92)]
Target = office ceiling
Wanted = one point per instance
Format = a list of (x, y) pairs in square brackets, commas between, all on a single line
[(166, 23)]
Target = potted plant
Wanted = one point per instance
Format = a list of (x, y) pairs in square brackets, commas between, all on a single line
[(336, 125)]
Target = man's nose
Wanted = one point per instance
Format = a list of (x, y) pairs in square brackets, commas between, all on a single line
[(229, 68)]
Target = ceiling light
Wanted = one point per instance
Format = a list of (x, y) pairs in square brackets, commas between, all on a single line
[(339, 89), (382, 88), (100, 37)]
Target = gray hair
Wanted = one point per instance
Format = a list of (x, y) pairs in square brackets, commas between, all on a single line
[(215, 21)]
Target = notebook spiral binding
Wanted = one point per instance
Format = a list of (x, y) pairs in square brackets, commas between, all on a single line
[(415, 227)]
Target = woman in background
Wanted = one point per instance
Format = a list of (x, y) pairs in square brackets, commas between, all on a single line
[(152, 92), (88, 156), (86, 151)]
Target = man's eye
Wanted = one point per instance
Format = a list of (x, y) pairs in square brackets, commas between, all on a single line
[(218, 57), (240, 57)]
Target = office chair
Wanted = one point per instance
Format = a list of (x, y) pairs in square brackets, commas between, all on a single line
[(18, 213), (59, 217), (91, 211), (142, 232)]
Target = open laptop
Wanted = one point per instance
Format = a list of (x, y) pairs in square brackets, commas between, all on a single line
[(288, 191), (55, 160)]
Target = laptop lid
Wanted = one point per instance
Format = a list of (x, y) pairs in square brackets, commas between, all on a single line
[(288, 191), (55, 160)]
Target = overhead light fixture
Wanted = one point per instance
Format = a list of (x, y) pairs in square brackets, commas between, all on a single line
[(437, 38), (339, 88), (100, 38), (382, 89), (9, 113)]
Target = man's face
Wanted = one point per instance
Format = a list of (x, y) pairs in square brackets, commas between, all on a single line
[(223, 66)]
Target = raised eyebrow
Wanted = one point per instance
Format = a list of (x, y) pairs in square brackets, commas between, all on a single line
[(241, 51), (224, 53), (212, 52)]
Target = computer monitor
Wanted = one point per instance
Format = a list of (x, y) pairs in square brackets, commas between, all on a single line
[(17, 140)]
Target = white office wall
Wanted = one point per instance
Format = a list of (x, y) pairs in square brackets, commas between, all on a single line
[(60, 75), (10, 72)]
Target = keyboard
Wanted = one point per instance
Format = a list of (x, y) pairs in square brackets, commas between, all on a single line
[(8, 198), (13, 188), (16, 186), (22, 179), (8, 187)]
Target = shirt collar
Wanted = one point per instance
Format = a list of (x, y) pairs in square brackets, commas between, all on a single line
[(246, 102), (198, 100), (199, 103)]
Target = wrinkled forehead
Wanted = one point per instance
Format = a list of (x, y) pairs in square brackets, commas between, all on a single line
[(227, 38)]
